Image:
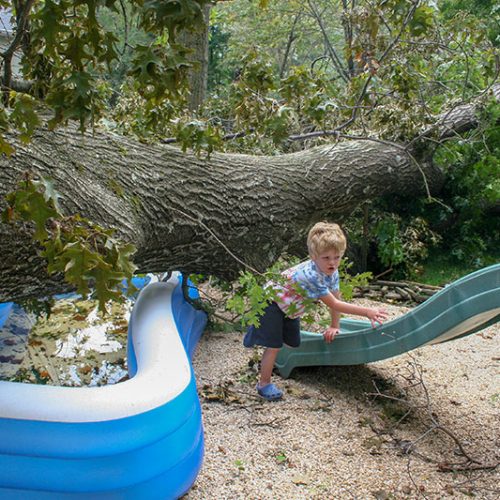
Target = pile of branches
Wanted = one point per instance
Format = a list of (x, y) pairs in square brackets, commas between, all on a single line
[(404, 292)]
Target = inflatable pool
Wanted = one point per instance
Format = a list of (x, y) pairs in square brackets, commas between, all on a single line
[(138, 439), (5, 309)]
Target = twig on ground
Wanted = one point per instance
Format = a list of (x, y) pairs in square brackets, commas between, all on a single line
[(414, 381), (270, 423)]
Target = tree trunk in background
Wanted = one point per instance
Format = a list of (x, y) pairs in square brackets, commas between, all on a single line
[(291, 39), (348, 36), (197, 41)]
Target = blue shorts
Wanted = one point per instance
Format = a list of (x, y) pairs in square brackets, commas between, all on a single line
[(275, 329)]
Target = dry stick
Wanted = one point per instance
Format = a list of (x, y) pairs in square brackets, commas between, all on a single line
[(417, 372), (208, 298), (349, 491), (387, 271), (408, 470), (469, 482), (217, 239), (215, 304), (271, 423), (9, 53), (434, 420), (445, 467)]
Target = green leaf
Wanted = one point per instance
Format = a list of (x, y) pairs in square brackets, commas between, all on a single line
[(40, 212), (124, 262), (5, 147), (88, 255), (29, 204), (49, 192), (105, 287), (24, 116), (50, 24), (422, 21)]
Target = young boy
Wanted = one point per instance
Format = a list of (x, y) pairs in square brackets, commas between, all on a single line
[(317, 279)]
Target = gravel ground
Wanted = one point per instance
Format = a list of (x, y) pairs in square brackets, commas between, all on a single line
[(329, 438)]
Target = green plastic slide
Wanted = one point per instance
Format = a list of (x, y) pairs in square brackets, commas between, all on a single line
[(465, 306)]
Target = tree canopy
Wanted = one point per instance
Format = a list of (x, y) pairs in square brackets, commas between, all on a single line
[(413, 77)]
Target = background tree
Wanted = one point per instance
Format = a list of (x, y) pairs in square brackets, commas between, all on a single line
[(438, 59), (197, 42)]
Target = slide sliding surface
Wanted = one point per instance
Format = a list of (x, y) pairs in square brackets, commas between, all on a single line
[(461, 308)]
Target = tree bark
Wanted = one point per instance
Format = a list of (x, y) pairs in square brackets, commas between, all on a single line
[(186, 213), (197, 41)]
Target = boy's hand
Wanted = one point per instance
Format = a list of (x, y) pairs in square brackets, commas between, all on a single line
[(376, 316), (330, 333)]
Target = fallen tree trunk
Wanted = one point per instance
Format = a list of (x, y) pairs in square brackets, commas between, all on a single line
[(212, 216), (191, 214)]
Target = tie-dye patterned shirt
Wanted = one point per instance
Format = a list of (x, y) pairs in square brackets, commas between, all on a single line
[(312, 284)]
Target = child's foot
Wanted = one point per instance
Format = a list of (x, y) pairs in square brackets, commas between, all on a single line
[(269, 392)]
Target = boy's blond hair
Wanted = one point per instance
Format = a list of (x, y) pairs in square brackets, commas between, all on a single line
[(326, 236)]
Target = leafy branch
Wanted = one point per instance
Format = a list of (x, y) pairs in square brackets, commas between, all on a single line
[(91, 259), (252, 293)]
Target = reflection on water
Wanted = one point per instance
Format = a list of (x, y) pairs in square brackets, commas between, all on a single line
[(74, 346), (91, 338), (13, 340)]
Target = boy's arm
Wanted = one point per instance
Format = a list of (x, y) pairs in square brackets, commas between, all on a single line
[(331, 332), (375, 315), (334, 313)]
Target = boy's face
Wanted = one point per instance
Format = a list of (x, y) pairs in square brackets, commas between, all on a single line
[(328, 262)]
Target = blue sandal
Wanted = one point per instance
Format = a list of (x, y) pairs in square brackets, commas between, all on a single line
[(269, 392)]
